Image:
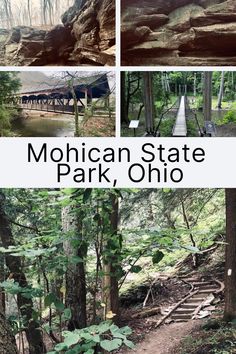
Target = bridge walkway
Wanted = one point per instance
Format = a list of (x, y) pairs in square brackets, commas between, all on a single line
[(180, 127)]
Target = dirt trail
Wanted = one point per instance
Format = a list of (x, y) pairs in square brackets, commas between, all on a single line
[(165, 339)]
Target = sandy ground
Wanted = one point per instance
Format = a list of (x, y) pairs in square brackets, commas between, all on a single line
[(165, 339)]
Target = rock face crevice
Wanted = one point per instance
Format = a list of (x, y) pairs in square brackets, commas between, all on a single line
[(85, 37), (178, 32)]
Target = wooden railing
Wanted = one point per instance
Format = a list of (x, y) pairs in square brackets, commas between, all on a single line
[(49, 108)]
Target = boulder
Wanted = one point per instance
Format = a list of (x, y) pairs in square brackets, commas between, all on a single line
[(94, 32), (132, 35)]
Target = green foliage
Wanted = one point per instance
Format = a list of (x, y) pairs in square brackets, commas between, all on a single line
[(9, 85), (199, 102), (5, 124), (192, 128), (105, 336), (219, 340), (52, 299), (152, 231), (14, 288), (157, 257), (166, 127), (229, 117)]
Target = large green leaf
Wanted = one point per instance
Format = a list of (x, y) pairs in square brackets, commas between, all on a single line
[(135, 269), (111, 345), (157, 257), (66, 314), (59, 305), (104, 327), (90, 351), (129, 344), (71, 339), (61, 346), (49, 299), (126, 330)]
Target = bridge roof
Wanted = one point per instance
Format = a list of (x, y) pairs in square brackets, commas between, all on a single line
[(38, 82)]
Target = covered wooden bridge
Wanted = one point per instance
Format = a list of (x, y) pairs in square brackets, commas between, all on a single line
[(61, 95)]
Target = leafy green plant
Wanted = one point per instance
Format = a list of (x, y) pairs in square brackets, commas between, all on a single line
[(229, 117), (199, 102), (5, 124), (192, 129), (105, 336), (166, 127)]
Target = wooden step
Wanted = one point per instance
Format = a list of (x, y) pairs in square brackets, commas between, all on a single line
[(191, 305), (201, 283), (183, 316), (206, 287), (207, 291), (185, 310), (190, 280), (195, 300)]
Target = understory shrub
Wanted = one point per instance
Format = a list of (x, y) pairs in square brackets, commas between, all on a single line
[(5, 124)]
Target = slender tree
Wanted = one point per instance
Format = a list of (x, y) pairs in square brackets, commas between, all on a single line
[(207, 106), (7, 340), (110, 263), (149, 101), (14, 264), (230, 259), (75, 246), (221, 91)]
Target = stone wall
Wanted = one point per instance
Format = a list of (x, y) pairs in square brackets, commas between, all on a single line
[(178, 32)]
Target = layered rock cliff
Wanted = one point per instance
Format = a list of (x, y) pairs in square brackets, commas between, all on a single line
[(86, 37), (178, 32)]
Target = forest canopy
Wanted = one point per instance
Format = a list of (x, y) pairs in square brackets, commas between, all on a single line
[(153, 100), (68, 256), (32, 12)]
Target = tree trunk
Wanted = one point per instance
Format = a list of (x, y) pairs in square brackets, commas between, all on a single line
[(207, 96), (221, 91), (149, 102), (230, 263), (195, 85), (124, 110), (110, 280), (7, 340), (75, 246), (2, 278), (33, 334)]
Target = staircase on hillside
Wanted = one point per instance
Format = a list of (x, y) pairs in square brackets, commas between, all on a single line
[(200, 292)]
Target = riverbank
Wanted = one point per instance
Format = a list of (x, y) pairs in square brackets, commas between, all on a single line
[(28, 123)]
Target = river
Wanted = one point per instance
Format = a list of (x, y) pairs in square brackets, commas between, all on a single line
[(50, 125)]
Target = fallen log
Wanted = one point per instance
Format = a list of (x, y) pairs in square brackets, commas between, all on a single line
[(146, 313)]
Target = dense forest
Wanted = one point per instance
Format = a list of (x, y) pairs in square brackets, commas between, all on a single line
[(57, 103), (32, 12), (97, 271), (56, 32), (209, 97)]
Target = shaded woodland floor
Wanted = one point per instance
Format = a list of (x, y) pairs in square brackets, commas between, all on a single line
[(166, 339)]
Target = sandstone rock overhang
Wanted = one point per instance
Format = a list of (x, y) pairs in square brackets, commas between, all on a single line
[(86, 37), (178, 32)]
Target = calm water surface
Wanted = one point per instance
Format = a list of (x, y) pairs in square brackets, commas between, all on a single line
[(57, 126)]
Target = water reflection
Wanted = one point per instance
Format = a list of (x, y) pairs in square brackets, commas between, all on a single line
[(56, 126)]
